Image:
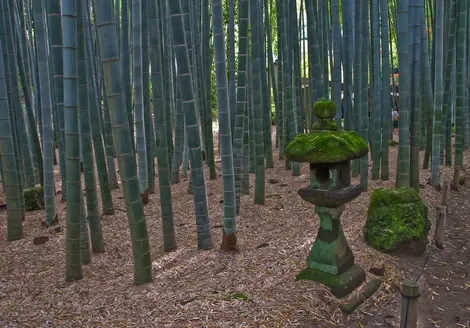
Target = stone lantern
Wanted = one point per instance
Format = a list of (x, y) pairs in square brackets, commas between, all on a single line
[(329, 152)]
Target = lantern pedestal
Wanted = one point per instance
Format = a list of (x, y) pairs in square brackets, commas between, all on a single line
[(331, 261)]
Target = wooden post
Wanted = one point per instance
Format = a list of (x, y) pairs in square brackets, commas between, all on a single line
[(441, 213), (409, 304), (445, 193)]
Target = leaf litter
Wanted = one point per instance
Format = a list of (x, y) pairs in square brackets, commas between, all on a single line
[(193, 288)]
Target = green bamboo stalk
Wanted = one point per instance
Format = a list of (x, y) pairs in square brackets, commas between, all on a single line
[(461, 85), (229, 239), (26, 84), (141, 145), (10, 176), (428, 91), (257, 105), (415, 88), (26, 167), (179, 134), (364, 90), (46, 110), (148, 123), (314, 55), (55, 37), (168, 68), (445, 150), (265, 104), (438, 93), (109, 55), (356, 122), (336, 73), (241, 94), (85, 255), (94, 119), (403, 167), (296, 121), (323, 31), (280, 133), (386, 119), (377, 93), (169, 240), (92, 216), (126, 65), (72, 141), (347, 65), (232, 88), (192, 128)]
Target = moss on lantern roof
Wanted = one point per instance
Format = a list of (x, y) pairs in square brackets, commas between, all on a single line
[(326, 147)]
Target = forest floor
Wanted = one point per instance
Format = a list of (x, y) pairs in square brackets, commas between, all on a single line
[(193, 288)]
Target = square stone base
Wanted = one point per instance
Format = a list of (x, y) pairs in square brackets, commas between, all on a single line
[(340, 285)]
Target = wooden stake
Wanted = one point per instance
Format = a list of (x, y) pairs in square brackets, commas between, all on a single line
[(445, 195), (409, 304), (441, 214)]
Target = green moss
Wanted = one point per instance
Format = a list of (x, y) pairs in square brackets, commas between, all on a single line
[(326, 147), (325, 125), (392, 143), (324, 109), (395, 218), (238, 296), (34, 198)]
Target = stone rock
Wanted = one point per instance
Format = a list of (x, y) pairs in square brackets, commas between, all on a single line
[(40, 240), (378, 270), (145, 197), (397, 221), (462, 179), (325, 125), (367, 291), (34, 198)]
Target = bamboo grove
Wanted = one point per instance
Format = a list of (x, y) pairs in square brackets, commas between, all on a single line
[(85, 82)]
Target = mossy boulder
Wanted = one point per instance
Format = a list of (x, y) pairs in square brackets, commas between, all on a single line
[(34, 198), (326, 147), (397, 220), (324, 109)]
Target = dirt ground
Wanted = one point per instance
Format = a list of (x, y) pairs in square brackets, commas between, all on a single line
[(193, 288)]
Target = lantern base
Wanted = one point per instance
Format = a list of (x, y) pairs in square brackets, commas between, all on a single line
[(340, 285)]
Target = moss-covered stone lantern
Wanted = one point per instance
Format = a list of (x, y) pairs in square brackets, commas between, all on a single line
[(329, 152)]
